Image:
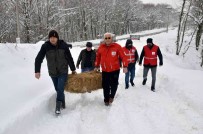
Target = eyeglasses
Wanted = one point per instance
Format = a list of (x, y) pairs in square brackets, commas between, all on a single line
[(107, 38)]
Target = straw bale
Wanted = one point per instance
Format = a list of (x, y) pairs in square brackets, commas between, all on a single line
[(84, 82)]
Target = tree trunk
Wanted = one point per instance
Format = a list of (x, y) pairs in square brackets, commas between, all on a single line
[(198, 35), (202, 57), (179, 28), (184, 27), (188, 46)]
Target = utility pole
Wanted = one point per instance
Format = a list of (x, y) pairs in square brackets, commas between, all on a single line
[(17, 21)]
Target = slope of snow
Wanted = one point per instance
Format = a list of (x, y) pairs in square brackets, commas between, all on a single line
[(176, 106)]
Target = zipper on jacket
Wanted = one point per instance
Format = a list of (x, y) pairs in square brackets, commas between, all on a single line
[(106, 56), (104, 65), (56, 54)]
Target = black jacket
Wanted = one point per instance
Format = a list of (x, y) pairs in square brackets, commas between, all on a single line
[(158, 53), (82, 57), (58, 58)]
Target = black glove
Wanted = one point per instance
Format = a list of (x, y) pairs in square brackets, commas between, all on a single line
[(160, 64)]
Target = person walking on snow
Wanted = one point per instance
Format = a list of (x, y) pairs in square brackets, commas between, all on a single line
[(87, 58), (107, 56), (150, 53), (132, 56), (58, 58)]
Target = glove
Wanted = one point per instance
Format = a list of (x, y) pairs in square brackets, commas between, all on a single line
[(97, 69), (160, 64)]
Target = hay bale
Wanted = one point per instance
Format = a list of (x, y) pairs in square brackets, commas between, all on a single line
[(84, 82)]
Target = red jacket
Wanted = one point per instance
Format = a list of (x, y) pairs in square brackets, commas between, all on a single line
[(150, 57), (108, 57), (130, 54)]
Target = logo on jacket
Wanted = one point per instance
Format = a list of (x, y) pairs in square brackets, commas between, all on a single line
[(113, 53), (153, 53)]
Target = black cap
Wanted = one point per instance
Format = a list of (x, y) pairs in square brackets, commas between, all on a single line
[(53, 33), (89, 44), (129, 41), (150, 40)]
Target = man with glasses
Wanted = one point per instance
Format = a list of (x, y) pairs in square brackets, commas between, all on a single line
[(87, 58), (150, 53), (107, 56)]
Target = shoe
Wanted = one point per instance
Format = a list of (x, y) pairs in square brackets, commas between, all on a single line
[(58, 107), (126, 86), (132, 83), (110, 100), (106, 102), (144, 81), (153, 89)]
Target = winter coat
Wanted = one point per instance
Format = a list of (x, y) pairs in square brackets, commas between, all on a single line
[(58, 58), (82, 57), (108, 57), (150, 56)]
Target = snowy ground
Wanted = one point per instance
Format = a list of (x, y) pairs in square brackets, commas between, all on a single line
[(27, 104)]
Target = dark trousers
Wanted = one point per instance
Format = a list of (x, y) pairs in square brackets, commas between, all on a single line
[(153, 71), (110, 84), (59, 84)]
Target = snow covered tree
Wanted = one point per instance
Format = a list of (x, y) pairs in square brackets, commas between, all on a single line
[(196, 15), (77, 20)]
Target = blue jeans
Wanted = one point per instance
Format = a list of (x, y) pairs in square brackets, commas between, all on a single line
[(130, 73), (59, 84), (87, 69)]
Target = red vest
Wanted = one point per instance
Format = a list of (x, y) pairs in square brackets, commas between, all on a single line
[(150, 57), (130, 54)]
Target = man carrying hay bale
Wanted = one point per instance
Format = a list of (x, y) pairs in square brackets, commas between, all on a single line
[(58, 58), (87, 58), (108, 55)]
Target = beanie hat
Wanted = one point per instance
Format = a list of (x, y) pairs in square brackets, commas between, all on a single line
[(53, 33), (89, 44), (150, 40), (129, 41)]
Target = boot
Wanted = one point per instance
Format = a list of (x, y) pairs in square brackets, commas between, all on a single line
[(58, 107), (106, 102), (126, 86), (63, 105), (132, 83), (110, 100), (144, 81), (153, 89)]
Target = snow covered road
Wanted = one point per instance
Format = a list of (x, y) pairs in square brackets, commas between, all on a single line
[(175, 108)]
